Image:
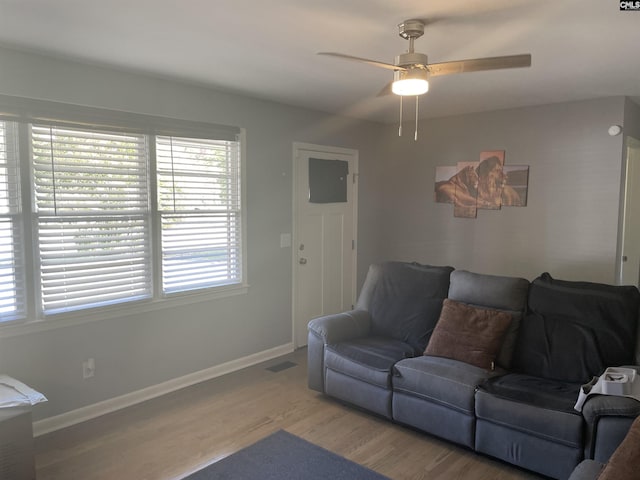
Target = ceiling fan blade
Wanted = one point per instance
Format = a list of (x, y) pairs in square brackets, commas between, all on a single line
[(479, 64), (386, 90), (375, 63)]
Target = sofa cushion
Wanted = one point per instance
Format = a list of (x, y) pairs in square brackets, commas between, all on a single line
[(404, 300), (625, 461), (541, 392), (444, 381), (469, 334), (494, 291), (368, 359), (574, 330), (535, 406), (497, 292)]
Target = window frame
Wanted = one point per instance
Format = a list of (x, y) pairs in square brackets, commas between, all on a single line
[(65, 176), (27, 111), (15, 217), (186, 209)]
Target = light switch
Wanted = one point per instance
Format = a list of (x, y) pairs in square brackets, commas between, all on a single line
[(285, 240)]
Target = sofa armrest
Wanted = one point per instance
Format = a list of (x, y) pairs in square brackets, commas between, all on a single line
[(341, 326), (332, 329), (587, 470), (608, 418)]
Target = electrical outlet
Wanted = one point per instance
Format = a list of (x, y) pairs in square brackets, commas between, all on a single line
[(88, 368)]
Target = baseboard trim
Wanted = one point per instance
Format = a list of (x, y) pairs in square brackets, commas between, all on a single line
[(89, 412)]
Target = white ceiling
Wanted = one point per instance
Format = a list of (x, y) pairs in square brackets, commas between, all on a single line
[(266, 49)]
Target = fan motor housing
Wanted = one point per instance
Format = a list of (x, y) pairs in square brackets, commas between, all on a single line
[(410, 59), (411, 29)]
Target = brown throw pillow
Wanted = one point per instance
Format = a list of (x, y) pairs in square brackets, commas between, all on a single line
[(469, 334), (623, 464)]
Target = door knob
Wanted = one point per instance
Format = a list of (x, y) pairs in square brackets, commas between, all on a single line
[(302, 261)]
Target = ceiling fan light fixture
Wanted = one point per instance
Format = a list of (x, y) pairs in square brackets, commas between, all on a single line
[(410, 86), (412, 82), (411, 70)]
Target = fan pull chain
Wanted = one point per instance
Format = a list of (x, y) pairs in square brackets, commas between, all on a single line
[(415, 137), (400, 127)]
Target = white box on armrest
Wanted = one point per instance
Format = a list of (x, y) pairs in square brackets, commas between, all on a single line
[(618, 381)]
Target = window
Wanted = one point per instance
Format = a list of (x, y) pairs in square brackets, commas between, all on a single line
[(199, 205), (131, 209), (12, 294), (92, 209)]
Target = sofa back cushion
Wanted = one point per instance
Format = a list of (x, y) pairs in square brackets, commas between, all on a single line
[(574, 330), (507, 294), (404, 300)]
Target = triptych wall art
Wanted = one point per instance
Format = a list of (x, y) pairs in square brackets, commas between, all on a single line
[(487, 183)]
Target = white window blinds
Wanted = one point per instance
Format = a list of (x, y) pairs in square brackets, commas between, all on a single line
[(12, 287), (199, 203), (93, 225), (100, 208)]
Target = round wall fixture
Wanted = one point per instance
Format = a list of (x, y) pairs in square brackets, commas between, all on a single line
[(615, 130)]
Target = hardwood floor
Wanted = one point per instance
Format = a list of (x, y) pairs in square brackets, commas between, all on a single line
[(171, 436)]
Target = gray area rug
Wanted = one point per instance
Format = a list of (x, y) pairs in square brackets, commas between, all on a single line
[(283, 456)]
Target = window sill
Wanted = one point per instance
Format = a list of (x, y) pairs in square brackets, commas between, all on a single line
[(117, 311)]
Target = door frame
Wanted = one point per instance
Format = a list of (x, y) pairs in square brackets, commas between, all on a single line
[(297, 148), (630, 143)]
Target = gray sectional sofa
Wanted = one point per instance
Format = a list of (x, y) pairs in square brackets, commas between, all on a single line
[(492, 363)]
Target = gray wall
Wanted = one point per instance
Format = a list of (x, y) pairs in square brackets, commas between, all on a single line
[(138, 351), (568, 228), (570, 225)]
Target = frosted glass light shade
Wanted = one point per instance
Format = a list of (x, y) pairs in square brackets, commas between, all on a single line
[(410, 86), (413, 81)]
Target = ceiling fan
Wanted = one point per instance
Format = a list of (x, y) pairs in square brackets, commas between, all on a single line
[(411, 70)]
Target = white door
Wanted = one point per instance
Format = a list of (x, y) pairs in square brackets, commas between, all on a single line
[(630, 262), (324, 245)]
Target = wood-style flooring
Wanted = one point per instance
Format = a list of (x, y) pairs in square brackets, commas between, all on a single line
[(171, 436)]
